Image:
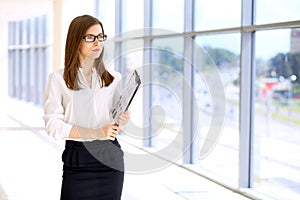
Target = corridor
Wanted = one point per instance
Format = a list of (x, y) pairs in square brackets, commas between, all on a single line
[(31, 166)]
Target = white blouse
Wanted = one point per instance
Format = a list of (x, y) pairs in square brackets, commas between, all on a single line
[(89, 107)]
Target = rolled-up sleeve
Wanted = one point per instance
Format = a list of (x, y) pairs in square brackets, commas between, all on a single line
[(54, 111)]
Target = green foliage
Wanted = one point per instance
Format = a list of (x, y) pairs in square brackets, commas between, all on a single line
[(222, 57), (285, 65)]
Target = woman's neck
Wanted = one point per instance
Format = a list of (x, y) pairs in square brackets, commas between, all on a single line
[(87, 66)]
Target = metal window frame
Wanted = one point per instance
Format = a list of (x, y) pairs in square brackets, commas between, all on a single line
[(188, 75), (247, 30), (246, 90), (147, 75)]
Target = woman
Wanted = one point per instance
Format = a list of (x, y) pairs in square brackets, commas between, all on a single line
[(78, 104)]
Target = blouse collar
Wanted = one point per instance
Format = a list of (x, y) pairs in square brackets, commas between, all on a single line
[(84, 83)]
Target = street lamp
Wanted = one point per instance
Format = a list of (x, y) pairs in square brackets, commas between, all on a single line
[(293, 77), (289, 80)]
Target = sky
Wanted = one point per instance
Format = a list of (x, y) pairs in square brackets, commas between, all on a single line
[(211, 14)]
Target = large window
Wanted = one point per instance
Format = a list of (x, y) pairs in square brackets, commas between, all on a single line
[(106, 14), (274, 11), (132, 15), (242, 65), (29, 58), (167, 61), (220, 64), (277, 122), (168, 14), (212, 14)]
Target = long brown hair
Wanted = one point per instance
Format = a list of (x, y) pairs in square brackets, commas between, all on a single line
[(77, 30)]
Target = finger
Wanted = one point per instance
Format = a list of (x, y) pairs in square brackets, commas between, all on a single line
[(115, 132), (116, 128), (123, 120), (127, 113), (112, 138), (123, 116)]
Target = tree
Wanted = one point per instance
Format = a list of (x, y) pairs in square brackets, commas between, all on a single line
[(285, 65), (222, 57)]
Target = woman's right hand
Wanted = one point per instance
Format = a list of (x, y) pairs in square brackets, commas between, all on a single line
[(109, 132)]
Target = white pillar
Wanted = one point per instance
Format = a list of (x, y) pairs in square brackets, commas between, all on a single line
[(57, 36)]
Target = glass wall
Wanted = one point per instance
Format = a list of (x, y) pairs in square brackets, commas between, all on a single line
[(211, 14), (277, 122), (135, 20), (132, 59), (166, 69), (243, 60), (106, 14), (168, 14), (269, 11), (29, 58), (221, 56)]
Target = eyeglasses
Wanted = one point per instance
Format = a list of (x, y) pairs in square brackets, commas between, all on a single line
[(92, 38)]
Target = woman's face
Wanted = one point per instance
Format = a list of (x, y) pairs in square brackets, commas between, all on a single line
[(92, 49)]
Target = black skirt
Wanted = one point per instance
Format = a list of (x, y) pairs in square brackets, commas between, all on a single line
[(92, 170)]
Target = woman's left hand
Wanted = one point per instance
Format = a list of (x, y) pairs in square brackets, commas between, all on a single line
[(123, 118)]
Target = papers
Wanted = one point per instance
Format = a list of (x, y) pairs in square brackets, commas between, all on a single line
[(127, 95)]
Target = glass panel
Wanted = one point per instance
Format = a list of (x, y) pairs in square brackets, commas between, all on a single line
[(132, 55), (270, 11), (107, 17), (36, 30), (167, 61), (132, 59), (17, 74), (132, 15), (11, 59), (33, 32), (23, 71), (168, 14), (221, 59), (277, 125), (11, 31), (24, 60), (210, 14), (17, 34), (49, 29), (24, 32), (39, 28)]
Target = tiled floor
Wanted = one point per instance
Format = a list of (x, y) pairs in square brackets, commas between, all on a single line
[(31, 166)]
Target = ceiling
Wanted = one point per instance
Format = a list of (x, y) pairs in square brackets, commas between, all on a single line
[(21, 9)]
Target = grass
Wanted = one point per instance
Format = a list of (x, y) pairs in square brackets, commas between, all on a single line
[(294, 108)]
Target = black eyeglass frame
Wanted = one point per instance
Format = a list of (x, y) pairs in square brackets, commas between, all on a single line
[(99, 37)]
